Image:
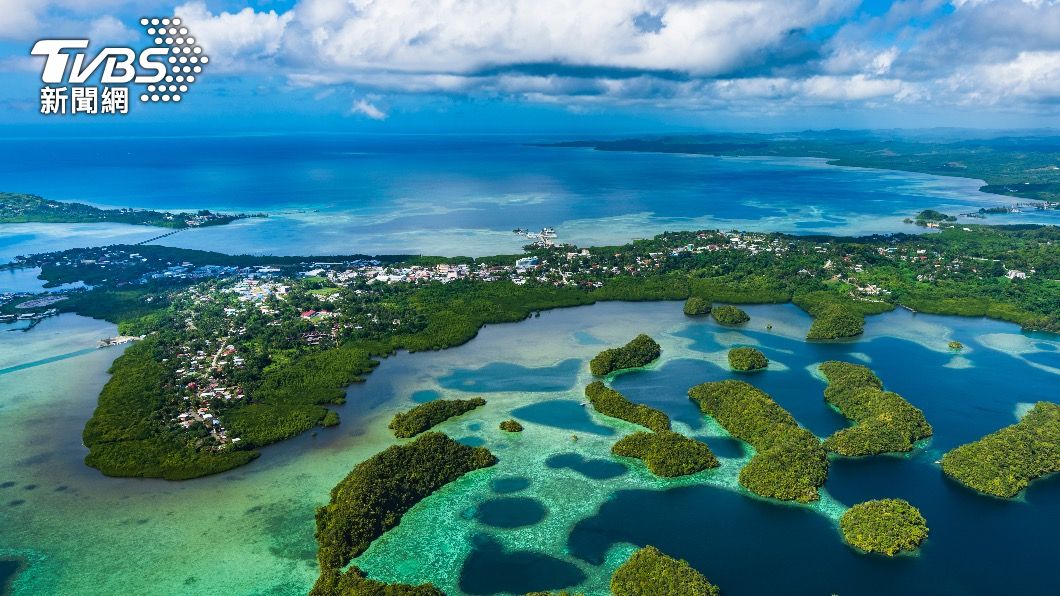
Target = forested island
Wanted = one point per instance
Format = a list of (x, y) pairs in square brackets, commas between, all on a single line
[(1005, 462), (885, 526), (23, 208), (883, 420), (511, 426), (790, 462), (426, 416), (376, 494), (667, 453), (649, 572), (243, 351), (1011, 165), (641, 350), (696, 306), (611, 403), (728, 314), (747, 359)]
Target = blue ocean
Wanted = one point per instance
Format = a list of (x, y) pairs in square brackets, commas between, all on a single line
[(450, 195)]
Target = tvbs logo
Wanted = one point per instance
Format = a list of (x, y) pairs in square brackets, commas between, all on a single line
[(166, 71)]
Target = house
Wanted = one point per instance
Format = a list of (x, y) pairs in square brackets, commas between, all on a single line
[(526, 263)]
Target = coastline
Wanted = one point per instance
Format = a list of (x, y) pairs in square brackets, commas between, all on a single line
[(265, 541)]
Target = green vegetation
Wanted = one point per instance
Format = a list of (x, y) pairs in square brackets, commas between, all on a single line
[(23, 208), (729, 315), (1015, 166), (1005, 462), (696, 306), (884, 422), (353, 582), (747, 359), (511, 426), (638, 352), (377, 493), (931, 215), (611, 403), (955, 346), (886, 526), (833, 322), (836, 316), (649, 572), (425, 416), (287, 380), (666, 453), (125, 437), (790, 462)]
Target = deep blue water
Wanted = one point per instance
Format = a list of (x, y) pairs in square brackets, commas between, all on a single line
[(504, 376), (978, 544), (562, 413), (490, 569), (339, 194), (9, 568)]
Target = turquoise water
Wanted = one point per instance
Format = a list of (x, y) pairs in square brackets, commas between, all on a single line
[(339, 194), (558, 510)]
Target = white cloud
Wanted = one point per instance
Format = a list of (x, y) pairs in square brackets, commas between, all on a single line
[(242, 41), (20, 17), (1033, 76), (365, 108), (108, 30), (694, 54)]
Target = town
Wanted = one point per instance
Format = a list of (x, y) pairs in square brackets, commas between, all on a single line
[(228, 320)]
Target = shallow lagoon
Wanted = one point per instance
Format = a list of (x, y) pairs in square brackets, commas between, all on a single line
[(343, 194), (251, 531)]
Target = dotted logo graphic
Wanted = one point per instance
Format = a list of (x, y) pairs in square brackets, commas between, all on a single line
[(184, 63)]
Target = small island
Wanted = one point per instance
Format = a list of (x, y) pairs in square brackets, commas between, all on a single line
[(666, 453), (426, 416), (640, 351), (930, 216), (747, 359), (611, 403), (650, 573), (696, 306), (884, 421), (511, 426), (1005, 462), (833, 322), (790, 462), (955, 345), (885, 526), (730, 315), (378, 492), (24, 208)]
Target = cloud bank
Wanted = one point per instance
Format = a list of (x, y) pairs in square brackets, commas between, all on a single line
[(743, 55)]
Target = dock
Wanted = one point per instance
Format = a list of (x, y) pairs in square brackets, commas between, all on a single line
[(117, 340)]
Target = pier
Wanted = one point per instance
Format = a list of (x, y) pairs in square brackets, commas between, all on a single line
[(158, 237), (117, 340)]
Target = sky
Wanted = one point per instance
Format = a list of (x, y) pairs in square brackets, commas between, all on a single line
[(560, 66)]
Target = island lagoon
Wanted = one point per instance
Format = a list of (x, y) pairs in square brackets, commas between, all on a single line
[(554, 513), (453, 195)]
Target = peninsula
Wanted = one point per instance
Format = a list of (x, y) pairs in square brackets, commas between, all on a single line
[(1014, 166), (24, 208), (243, 351)]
